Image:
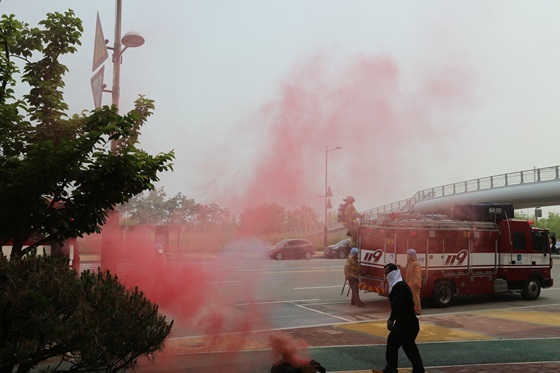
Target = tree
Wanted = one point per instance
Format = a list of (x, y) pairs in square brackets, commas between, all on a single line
[(90, 323), (151, 207), (304, 219), (154, 208), (59, 179), (212, 216), (272, 219), (552, 222), (264, 219)]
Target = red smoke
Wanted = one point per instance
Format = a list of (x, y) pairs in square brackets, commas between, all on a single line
[(385, 125), (288, 350)]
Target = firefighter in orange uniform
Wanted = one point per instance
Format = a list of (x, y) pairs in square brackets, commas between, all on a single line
[(349, 215), (351, 273), (413, 277)]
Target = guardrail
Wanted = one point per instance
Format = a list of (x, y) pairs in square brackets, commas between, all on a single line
[(535, 175), (489, 182)]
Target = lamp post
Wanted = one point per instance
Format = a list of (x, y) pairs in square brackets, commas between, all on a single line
[(327, 150), (132, 40)]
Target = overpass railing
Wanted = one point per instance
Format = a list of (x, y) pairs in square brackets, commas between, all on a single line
[(497, 181), (489, 182)]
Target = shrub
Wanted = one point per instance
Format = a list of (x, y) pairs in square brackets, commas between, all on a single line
[(86, 323)]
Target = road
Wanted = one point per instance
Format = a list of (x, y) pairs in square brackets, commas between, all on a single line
[(306, 295), (296, 293), (308, 292)]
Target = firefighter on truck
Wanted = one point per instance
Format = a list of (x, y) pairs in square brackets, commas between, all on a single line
[(481, 250)]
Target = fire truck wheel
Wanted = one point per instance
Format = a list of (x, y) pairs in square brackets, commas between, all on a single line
[(531, 289), (279, 255), (308, 255), (443, 294)]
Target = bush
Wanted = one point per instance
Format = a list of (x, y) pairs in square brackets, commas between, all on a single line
[(86, 323)]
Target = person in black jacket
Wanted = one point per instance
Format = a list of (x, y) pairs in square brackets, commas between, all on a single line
[(402, 324)]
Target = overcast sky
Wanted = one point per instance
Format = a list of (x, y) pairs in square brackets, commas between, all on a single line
[(249, 93)]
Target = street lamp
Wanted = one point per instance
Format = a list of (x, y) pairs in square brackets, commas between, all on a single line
[(327, 150), (129, 40)]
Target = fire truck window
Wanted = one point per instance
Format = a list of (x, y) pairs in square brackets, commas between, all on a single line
[(518, 240), (540, 241)]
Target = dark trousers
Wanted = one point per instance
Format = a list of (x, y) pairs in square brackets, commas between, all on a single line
[(403, 334)]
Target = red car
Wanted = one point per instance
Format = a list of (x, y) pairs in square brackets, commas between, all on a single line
[(291, 248)]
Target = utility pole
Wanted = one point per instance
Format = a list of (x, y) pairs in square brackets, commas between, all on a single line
[(327, 150)]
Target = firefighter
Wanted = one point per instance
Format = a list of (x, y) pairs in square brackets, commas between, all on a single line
[(413, 277), (351, 272), (349, 215), (403, 324)]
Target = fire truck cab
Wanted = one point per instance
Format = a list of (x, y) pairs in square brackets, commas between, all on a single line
[(458, 257)]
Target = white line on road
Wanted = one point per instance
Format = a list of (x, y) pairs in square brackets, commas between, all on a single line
[(324, 313), (220, 282), (318, 287), (280, 301)]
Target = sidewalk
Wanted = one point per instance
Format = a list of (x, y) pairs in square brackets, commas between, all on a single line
[(513, 340)]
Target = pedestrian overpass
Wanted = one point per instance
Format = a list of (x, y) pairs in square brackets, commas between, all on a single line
[(539, 187), (523, 189)]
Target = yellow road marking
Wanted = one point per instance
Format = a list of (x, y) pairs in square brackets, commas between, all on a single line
[(537, 317)]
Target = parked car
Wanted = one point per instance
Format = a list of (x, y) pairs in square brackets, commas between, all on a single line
[(291, 248), (338, 250)]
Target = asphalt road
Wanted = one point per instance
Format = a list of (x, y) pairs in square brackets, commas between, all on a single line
[(294, 295)]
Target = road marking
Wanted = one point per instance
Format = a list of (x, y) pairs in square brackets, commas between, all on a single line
[(220, 282), (279, 301), (318, 287), (323, 313), (536, 317)]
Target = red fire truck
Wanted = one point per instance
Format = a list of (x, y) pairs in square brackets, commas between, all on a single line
[(458, 256)]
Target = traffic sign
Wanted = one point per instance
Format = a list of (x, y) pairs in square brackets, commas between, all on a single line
[(97, 86), (100, 53)]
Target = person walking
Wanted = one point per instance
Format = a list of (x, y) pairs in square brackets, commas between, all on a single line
[(413, 277), (347, 216), (402, 324), (351, 274)]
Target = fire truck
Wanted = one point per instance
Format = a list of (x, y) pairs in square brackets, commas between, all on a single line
[(480, 249)]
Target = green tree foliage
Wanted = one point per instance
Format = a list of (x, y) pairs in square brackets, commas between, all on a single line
[(304, 219), (211, 217), (552, 222), (267, 219), (59, 179), (264, 219), (90, 323), (153, 207)]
